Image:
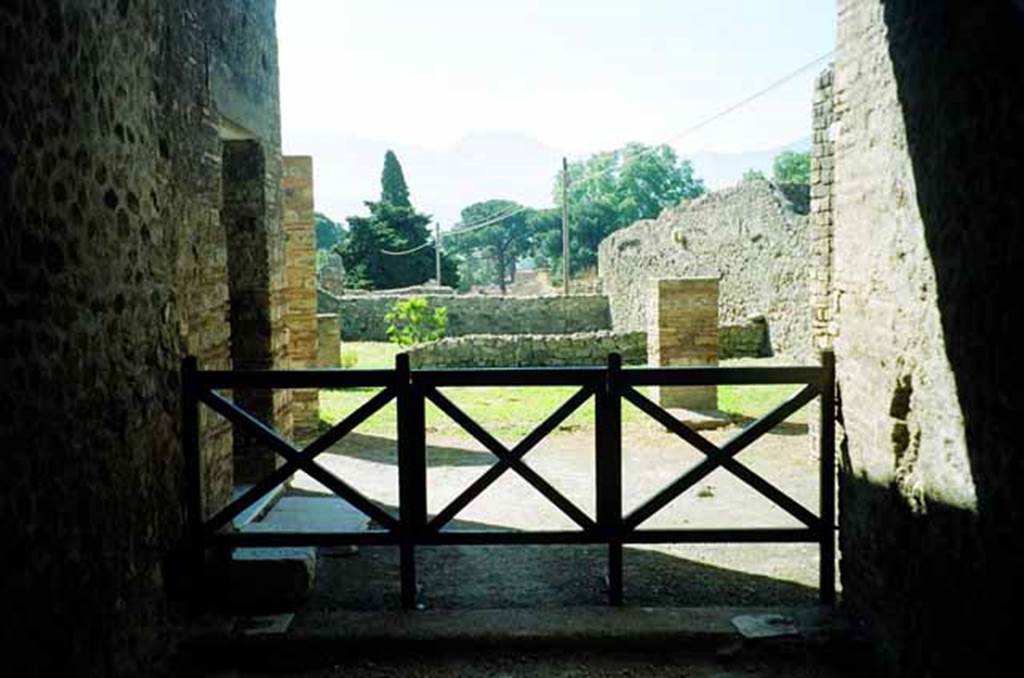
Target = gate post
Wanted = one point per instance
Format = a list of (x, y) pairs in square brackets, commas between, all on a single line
[(608, 433), (827, 454), (412, 474)]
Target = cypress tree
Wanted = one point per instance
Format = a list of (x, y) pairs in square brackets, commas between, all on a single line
[(393, 224), (393, 188)]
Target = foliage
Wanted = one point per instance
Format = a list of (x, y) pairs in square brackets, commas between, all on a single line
[(412, 321), (500, 245), (321, 259), (611, 190), (392, 182), (329, 233), (394, 227), (753, 175), (790, 167), (349, 358)]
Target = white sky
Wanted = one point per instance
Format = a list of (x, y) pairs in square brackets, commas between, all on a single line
[(578, 76)]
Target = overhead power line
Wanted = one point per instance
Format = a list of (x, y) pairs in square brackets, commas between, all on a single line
[(408, 251)]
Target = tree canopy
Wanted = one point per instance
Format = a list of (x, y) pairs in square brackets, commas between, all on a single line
[(395, 227), (791, 167), (500, 244), (392, 182), (610, 190), (329, 233)]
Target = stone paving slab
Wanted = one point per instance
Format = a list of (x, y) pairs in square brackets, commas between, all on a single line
[(311, 514)]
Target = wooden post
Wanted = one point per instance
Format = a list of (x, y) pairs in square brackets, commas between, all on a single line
[(827, 566), (437, 251), (608, 433), (412, 474)]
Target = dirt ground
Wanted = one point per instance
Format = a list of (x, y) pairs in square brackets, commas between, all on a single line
[(525, 576)]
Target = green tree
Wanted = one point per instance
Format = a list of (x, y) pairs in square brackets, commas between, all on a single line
[(414, 320), (394, 228), (754, 175), (610, 190), (790, 167), (501, 243), (392, 182), (329, 233)]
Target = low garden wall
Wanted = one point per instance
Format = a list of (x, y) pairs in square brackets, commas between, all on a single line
[(580, 348), (362, 316), (530, 350)]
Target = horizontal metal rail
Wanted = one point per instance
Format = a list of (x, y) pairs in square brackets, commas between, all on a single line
[(608, 385)]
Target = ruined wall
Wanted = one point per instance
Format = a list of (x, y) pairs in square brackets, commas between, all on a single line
[(114, 266), (362, 317), (300, 261), (747, 234), (530, 350), (927, 250)]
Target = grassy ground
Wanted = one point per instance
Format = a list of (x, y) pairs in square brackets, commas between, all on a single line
[(516, 411)]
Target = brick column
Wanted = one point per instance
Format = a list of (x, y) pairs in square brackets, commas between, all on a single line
[(300, 284), (682, 330)]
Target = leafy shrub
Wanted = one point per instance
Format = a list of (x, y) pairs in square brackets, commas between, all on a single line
[(412, 321)]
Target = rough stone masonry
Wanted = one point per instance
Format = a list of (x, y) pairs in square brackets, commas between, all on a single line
[(747, 235), (114, 264)]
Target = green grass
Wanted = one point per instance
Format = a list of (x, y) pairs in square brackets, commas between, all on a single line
[(515, 411)]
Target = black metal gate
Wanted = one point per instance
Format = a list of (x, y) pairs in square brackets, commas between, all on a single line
[(608, 385)]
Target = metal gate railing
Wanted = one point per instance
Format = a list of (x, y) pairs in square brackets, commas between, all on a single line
[(608, 385)]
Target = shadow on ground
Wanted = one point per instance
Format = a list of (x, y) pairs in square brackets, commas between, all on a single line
[(518, 576), (383, 450)]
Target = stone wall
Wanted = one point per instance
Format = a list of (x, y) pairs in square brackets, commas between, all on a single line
[(300, 258), (530, 350), (748, 235), (928, 224), (362, 316), (113, 266), (580, 348)]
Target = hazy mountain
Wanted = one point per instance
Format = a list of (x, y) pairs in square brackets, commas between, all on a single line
[(478, 167), (725, 169)]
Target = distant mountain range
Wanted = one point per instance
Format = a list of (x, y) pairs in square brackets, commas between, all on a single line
[(479, 167)]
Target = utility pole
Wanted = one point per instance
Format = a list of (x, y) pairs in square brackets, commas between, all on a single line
[(437, 251), (565, 226)]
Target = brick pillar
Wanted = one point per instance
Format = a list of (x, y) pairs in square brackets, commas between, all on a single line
[(328, 340), (251, 220), (682, 330), (300, 284)]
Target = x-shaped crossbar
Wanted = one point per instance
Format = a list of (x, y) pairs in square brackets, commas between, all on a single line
[(510, 459), (723, 456), (296, 459)]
